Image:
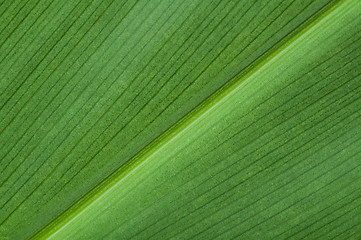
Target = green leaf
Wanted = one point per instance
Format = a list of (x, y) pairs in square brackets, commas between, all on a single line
[(180, 119)]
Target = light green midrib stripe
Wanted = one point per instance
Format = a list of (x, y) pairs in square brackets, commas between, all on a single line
[(176, 129)]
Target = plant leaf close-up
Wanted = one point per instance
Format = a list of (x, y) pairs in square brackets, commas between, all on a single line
[(180, 119)]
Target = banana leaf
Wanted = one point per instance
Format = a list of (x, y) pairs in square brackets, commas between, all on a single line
[(180, 119)]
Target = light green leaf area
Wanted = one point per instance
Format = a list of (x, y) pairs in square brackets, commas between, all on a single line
[(180, 119)]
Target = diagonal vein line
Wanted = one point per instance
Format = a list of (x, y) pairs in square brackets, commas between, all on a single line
[(178, 129)]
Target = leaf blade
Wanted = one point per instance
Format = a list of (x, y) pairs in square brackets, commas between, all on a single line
[(74, 133)]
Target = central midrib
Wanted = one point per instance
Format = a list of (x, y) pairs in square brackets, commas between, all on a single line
[(193, 116)]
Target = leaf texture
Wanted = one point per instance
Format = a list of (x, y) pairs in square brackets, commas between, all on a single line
[(180, 119)]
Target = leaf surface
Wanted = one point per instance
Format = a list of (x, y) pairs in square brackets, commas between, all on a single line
[(180, 119)]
